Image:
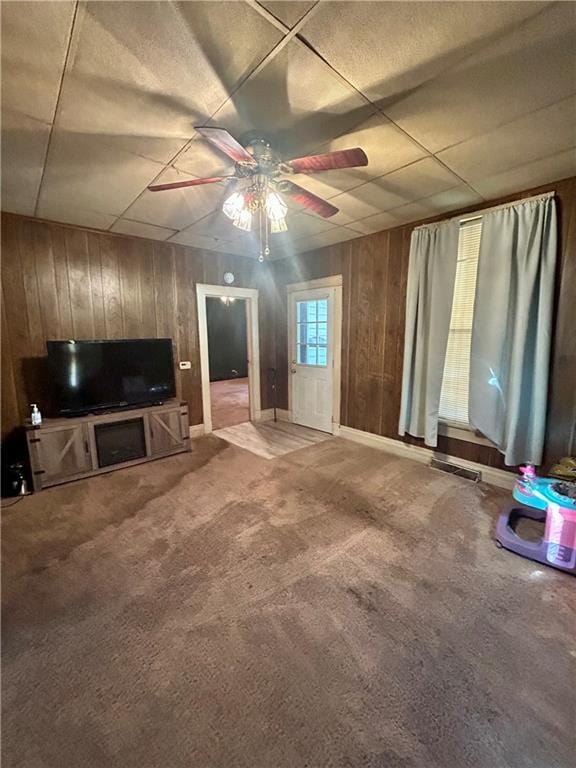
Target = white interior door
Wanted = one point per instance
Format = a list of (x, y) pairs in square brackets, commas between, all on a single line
[(311, 339)]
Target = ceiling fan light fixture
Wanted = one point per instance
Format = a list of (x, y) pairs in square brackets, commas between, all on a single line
[(244, 220), (276, 209), (234, 205), (278, 225)]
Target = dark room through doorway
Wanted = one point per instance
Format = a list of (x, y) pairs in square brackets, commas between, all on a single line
[(228, 358)]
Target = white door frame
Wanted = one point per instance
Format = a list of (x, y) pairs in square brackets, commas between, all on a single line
[(334, 281), (253, 343)]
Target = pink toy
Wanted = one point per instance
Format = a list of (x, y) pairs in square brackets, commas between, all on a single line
[(552, 502)]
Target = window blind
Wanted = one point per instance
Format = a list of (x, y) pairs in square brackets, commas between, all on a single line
[(456, 377)]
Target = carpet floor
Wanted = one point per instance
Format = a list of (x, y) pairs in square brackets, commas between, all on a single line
[(333, 608)]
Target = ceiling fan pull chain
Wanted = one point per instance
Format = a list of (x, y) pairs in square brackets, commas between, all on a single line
[(260, 238), (267, 230)]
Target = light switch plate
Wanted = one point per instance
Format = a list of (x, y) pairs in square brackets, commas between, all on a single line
[(185, 365)]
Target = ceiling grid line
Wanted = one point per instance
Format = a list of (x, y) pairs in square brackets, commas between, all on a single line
[(288, 36), (57, 105), (383, 113), (453, 106)]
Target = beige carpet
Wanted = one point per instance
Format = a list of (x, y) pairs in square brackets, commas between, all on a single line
[(336, 607), (271, 439), (230, 402)]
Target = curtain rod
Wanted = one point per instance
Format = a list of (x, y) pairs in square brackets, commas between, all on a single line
[(478, 214)]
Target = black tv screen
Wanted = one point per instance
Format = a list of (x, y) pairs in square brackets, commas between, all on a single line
[(94, 375)]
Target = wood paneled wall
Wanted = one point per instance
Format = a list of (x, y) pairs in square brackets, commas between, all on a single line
[(374, 270), (62, 282)]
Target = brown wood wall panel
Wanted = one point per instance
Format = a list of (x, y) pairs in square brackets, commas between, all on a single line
[(65, 282), (374, 270)]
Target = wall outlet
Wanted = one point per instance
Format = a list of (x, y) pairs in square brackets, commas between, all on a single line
[(185, 365)]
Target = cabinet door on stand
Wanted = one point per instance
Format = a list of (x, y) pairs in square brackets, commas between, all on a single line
[(165, 431), (59, 453)]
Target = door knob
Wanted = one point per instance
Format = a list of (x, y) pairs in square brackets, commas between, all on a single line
[(292, 370)]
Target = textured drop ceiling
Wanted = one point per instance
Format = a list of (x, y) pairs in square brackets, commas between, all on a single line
[(454, 103)]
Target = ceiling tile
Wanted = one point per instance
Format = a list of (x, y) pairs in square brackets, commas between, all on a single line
[(128, 227), (238, 248), (216, 224), (340, 219), (330, 237), (450, 70), (176, 208), (300, 226), (530, 67), (68, 214), (289, 12), (304, 224), (100, 173), (24, 145), (186, 237), (553, 168), (375, 223), (126, 106), (157, 68), (540, 134), (443, 202), (34, 41), (386, 147), (296, 101), (421, 179), (201, 159), (399, 46)]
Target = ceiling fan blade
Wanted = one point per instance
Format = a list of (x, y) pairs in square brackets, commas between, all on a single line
[(189, 183), (307, 199), (226, 143), (344, 158)]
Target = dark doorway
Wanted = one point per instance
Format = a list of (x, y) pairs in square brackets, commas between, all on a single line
[(228, 358)]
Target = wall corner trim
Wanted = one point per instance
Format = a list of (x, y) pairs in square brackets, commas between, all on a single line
[(197, 430), (490, 475), (281, 415)]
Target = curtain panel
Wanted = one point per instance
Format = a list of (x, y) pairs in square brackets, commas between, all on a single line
[(511, 333), (430, 290)]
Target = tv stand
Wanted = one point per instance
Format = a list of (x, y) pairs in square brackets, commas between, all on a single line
[(71, 448)]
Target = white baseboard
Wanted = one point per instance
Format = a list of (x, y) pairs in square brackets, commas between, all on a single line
[(491, 475), (281, 415), (197, 430)]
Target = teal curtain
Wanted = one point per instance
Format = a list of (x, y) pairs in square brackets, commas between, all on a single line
[(430, 290), (512, 328)]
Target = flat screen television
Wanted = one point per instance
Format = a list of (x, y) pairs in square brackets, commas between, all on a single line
[(104, 375)]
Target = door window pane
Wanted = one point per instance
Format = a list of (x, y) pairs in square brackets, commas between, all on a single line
[(312, 332)]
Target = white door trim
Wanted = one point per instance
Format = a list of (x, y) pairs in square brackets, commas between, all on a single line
[(253, 341), (334, 282)]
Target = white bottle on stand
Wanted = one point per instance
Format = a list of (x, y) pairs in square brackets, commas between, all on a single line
[(36, 416)]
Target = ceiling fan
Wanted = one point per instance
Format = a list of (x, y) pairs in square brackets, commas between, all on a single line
[(259, 186)]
